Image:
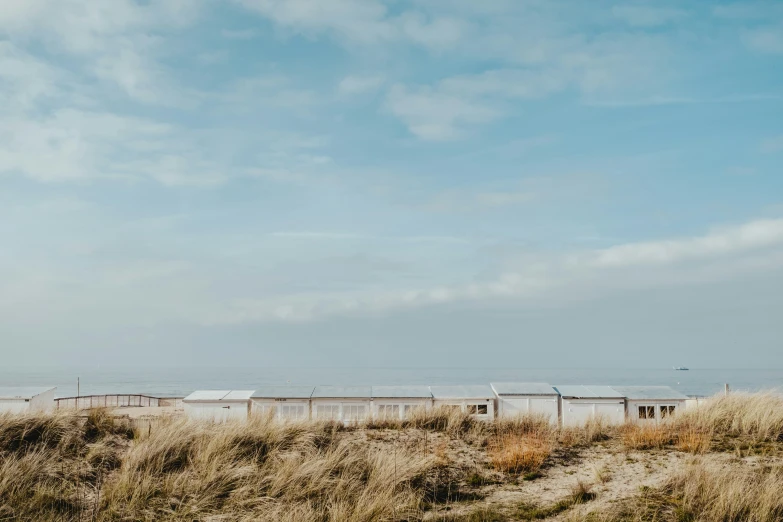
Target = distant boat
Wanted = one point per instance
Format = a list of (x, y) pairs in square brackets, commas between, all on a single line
[(681, 368)]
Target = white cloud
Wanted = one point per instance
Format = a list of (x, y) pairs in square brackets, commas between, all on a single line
[(767, 40), (361, 22), (536, 53), (436, 116), (351, 85), (25, 80), (647, 15), (590, 67), (732, 240), (73, 145), (724, 254), (437, 34), (352, 20), (444, 111), (772, 145), (116, 285), (111, 41)]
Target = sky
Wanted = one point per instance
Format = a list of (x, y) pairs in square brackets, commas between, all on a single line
[(400, 183)]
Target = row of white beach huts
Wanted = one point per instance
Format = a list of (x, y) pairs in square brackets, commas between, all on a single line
[(567, 405)]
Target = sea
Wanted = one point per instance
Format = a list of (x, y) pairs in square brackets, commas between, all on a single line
[(180, 381)]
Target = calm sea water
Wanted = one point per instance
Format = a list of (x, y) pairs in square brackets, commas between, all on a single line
[(174, 382)]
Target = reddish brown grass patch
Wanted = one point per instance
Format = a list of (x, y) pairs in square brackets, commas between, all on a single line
[(514, 453), (647, 436)]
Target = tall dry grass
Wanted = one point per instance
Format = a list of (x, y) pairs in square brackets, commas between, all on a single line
[(263, 471), (65, 468), (595, 429), (704, 492), (756, 416), (713, 492), (648, 435), (451, 421), (52, 465)]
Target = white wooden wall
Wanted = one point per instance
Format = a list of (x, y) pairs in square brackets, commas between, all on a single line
[(575, 412), (514, 406), (217, 411)]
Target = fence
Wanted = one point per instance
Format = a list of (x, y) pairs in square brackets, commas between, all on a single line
[(171, 402), (107, 401)]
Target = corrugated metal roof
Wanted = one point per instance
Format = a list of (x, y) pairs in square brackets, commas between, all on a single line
[(283, 392), (478, 391), (402, 392), (342, 392), (238, 395), (649, 392), (523, 388), (23, 392), (207, 395), (588, 392)]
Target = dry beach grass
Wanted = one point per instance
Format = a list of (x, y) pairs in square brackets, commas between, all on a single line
[(722, 461)]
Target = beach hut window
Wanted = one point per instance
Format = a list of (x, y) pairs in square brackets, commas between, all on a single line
[(646, 412), (410, 408), (667, 411), (389, 411), (292, 411), (353, 412), (477, 409), (265, 409), (328, 411)]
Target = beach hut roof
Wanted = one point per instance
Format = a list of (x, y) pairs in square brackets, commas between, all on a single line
[(342, 392), (283, 392), (477, 391), (206, 395), (650, 393), (238, 395), (402, 392), (218, 395), (588, 392), (23, 392), (523, 388)]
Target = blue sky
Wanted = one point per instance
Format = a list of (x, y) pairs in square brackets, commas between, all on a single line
[(363, 182)]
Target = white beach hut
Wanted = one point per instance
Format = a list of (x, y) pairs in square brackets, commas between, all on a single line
[(26, 399), (651, 403), (218, 405), (478, 400), (341, 403), (287, 402), (397, 402), (522, 398), (579, 403)]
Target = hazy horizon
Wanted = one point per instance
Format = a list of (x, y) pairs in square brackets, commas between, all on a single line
[(391, 184)]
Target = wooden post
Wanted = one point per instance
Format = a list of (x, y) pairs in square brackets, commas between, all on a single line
[(726, 389)]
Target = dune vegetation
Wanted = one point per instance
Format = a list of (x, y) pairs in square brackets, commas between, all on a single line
[(722, 461)]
